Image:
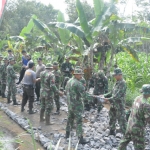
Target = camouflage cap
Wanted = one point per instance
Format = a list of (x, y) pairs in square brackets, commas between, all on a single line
[(11, 59), (100, 73), (78, 67), (5, 58), (78, 71), (49, 66), (55, 63), (67, 57), (145, 89), (117, 71), (1, 56)]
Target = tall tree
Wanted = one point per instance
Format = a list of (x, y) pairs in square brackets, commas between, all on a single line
[(72, 12), (19, 12)]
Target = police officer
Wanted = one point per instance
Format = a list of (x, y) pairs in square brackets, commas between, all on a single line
[(117, 99), (29, 81), (139, 117)]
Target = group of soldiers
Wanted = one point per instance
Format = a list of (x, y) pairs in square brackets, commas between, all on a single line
[(78, 98)]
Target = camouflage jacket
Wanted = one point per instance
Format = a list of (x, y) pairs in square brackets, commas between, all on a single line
[(140, 114), (11, 75), (48, 86), (100, 84), (57, 77), (75, 91), (117, 95), (4, 71), (66, 68)]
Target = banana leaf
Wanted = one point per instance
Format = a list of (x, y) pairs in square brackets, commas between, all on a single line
[(44, 28), (83, 21), (16, 38), (72, 28), (29, 27), (131, 52), (63, 33)]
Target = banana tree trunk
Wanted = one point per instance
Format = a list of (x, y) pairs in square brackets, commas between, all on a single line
[(90, 57), (102, 61)]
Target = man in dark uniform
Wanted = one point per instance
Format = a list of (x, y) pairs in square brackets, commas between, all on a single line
[(29, 81), (66, 69)]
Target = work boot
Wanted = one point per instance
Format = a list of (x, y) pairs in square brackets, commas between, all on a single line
[(3, 95), (47, 118), (31, 111), (87, 107), (112, 132), (15, 102), (22, 109), (82, 140), (37, 99), (8, 100), (42, 115), (67, 134), (57, 111)]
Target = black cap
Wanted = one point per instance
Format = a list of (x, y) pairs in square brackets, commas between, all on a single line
[(9, 50), (31, 64), (39, 59)]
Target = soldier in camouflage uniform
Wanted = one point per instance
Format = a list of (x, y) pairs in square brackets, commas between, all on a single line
[(117, 101), (47, 91), (100, 83), (3, 76), (66, 69), (1, 57), (57, 74), (11, 76), (139, 117), (75, 91)]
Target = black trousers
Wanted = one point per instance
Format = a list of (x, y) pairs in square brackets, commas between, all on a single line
[(22, 72), (37, 88), (28, 94)]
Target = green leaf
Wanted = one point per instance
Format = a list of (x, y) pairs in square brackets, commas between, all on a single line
[(83, 21), (72, 28), (63, 33), (98, 8), (105, 15), (131, 52), (44, 28), (28, 28)]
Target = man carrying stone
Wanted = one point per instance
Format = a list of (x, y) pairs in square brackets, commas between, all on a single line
[(29, 81), (57, 74), (139, 117), (11, 76), (39, 68), (75, 90), (117, 101), (3, 76), (48, 88), (100, 83)]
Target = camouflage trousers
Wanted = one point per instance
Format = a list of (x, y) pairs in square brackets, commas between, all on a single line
[(75, 114), (117, 114), (56, 98), (3, 86), (12, 91), (137, 136), (47, 104)]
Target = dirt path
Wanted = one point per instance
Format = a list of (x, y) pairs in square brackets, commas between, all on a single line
[(7, 124)]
